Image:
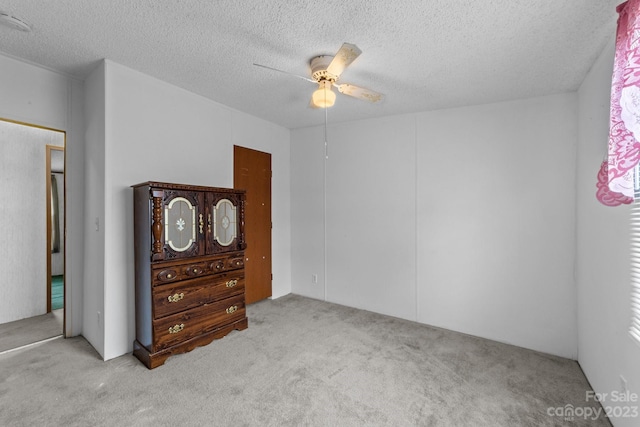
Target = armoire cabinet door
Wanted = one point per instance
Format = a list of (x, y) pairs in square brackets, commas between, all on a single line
[(224, 223), (183, 223)]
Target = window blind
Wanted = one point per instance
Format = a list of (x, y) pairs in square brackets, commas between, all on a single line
[(634, 329)]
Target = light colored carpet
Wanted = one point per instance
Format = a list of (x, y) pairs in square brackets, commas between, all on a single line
[(301, 362), (30, 330)]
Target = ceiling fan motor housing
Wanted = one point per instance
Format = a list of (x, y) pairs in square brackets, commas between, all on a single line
[(319, 66)]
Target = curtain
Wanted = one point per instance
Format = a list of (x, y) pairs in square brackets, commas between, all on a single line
[(624, 130), (604, 193), (55, 216)]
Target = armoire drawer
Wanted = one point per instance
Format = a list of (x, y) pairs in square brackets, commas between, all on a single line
[(182, 326), (232, 262), (181, 296), (174, 273)]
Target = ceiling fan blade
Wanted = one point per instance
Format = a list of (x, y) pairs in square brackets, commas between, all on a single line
[(345, 56), (360, 92), (286, 72)]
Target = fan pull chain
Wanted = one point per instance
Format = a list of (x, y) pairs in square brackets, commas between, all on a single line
[(324, 205), (326, 144)]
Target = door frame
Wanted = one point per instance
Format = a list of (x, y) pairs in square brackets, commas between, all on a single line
[(64, 225)]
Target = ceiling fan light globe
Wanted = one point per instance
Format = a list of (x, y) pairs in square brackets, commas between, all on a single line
[(324, 97)]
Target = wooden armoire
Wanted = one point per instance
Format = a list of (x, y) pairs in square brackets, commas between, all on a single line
[(189, 267)]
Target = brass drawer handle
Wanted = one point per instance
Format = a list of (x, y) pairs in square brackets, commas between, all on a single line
[(232, 309), (194, 270), (201, 223), (177, 328), (165, 275), (175, 297), (232, 283)]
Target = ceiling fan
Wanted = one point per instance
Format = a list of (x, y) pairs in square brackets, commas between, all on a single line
[(326, 71)]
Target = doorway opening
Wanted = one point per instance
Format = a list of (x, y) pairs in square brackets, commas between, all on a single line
[(54, 181), (32, 161)]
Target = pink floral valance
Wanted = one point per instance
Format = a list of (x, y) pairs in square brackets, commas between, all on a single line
[(624, 133)]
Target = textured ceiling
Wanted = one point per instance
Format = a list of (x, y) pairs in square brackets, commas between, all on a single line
[(421, 54)]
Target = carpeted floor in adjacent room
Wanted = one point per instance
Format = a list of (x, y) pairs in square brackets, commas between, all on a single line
[(57, 292)]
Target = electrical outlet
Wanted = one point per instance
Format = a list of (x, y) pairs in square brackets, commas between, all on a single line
[(314, 279), (623, 385)]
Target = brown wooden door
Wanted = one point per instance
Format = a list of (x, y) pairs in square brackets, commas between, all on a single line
[(252, 172)]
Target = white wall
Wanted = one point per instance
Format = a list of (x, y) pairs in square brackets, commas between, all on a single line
[(24, 253), (370, 214), (496, 206), (156, 131), (94, 219), (33, 95), (368, 234), (460, 218), (606, 350), (307, 212)]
